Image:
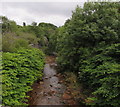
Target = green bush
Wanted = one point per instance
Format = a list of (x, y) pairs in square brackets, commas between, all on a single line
[(20, 43), (20, 70), (101, 74), (8, 42), (31, 38), (12, 43), (8, 25), (88, 44)]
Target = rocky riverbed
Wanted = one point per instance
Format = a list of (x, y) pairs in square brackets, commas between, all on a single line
[(52, 89)]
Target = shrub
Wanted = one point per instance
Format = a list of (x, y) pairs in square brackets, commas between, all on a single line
[(7, 42), (20, 43), (31, 38), (12, 43), (101, 74), (20, 70), (88, 44)]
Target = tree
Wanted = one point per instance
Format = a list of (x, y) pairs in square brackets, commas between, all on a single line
[(24, 24), (34, 24), (82, 42), (8, 25)]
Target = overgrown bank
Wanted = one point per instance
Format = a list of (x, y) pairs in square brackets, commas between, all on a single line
[(89, 45), (23, 49), (20, 70)]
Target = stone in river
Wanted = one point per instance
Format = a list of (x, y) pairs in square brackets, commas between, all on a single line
[(66, 96)]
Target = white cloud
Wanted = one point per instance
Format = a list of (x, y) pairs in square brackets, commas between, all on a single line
[(44, 0), (55, 19), (51, 12)]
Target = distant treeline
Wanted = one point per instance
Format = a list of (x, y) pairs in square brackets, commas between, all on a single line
[(16, 36)]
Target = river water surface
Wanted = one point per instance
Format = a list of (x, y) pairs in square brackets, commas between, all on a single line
[(50, 92)]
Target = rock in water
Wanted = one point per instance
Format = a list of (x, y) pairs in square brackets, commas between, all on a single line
[(66, 96)]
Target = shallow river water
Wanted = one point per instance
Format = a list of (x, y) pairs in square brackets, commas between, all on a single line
[(51, 91)]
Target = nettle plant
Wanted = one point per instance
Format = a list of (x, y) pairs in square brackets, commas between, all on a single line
[(20, 70)]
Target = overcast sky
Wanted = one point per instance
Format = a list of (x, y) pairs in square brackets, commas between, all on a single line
[(50, 12)]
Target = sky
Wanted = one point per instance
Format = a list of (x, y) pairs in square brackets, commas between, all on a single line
[(49, 11), (33, 11)]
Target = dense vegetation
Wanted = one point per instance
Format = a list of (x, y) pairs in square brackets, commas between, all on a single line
[(20, 70), (22, 62), (88, 45), (27, 36)]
